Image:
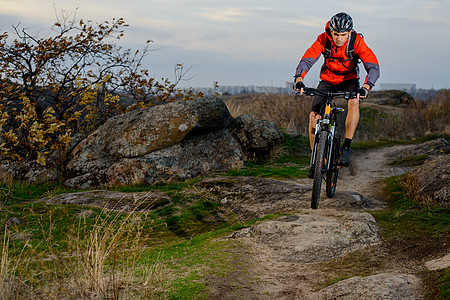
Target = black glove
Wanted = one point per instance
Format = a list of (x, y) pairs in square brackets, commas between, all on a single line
[(363, 92), (299, 85)]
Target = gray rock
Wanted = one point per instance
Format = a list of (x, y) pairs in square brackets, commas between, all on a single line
[(257, 137), (313, 237), (431, 148), (254, 197), (174, 141), (381, 286), (124, 202), (198, 155), (29, 171), (430, 183), (143, 131), (439, 263), (390, 97)]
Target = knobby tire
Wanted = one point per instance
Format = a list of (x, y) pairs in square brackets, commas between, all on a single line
[(319, 169), (332, 174)]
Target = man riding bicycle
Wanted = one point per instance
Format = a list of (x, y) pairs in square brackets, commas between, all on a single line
[(339, 73)]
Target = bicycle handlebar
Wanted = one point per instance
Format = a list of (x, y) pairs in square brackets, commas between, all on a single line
[(346, 95)]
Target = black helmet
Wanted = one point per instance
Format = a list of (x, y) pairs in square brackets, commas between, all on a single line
[(341, 22)]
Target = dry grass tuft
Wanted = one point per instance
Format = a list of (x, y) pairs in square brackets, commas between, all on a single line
[(377, 122), (101, 262), (286, 111)]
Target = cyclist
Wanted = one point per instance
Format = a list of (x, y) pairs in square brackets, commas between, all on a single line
[(338, 73)]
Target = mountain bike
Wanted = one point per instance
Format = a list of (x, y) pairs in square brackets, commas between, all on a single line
[(327, 144)]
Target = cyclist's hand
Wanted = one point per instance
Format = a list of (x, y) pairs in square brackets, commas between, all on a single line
[(363, 93), (299, 86)]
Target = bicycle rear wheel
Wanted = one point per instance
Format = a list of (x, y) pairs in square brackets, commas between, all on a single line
[(319, 169)]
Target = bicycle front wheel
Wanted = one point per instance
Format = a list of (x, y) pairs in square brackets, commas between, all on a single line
[(332, 174), (319, 169)]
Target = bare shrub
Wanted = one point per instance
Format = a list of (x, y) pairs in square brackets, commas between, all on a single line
[(431, 115), (69, 81)]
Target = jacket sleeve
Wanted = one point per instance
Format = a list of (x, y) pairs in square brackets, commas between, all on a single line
[(369, 60), (311, 56)]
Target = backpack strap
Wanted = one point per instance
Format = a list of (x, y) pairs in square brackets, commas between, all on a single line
[(328, 48), (351, 46)]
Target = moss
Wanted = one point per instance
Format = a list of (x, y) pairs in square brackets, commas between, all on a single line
[(410, 160)]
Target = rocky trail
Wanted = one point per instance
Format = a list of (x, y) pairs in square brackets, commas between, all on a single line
[(292, 257), (334, 252)]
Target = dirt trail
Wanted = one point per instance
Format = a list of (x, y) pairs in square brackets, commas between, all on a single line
[(368, 169), (291, 257)]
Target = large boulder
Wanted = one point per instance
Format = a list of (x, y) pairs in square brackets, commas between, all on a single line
[(174, 141), (430, 149), (390, 97), (430, 183), (146, 130), (257, 137)]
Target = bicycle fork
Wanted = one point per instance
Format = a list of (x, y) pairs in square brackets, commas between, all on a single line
[(316, 142), (325, 124)]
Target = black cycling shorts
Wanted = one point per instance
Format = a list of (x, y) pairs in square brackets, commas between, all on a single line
[(351, 85)]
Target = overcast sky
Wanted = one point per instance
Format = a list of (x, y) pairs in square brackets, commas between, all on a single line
[(250, 42)]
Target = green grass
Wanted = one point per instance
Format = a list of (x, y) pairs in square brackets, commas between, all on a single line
[(20, 192), (184, 234), (268, 170), (422, 228), (377, 144), (406, 219), (444, 285), (410, 160), (189, 261), (49, 228), (285, 167), (167, 187), (293, 144)]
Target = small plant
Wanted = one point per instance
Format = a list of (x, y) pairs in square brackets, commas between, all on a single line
[(102, 257), (8, 280)]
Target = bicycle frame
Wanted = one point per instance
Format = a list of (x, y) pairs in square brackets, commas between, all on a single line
[(325, 141), (327, 121)]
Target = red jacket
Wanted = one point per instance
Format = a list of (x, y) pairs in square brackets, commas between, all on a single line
[(338, 67)]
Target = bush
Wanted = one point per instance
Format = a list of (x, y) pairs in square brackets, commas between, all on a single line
[(68, 82)]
